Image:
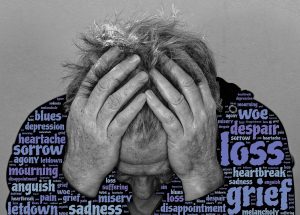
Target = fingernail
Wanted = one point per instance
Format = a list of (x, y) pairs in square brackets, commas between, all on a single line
[(163, 59), (116, 48), (141, 96), (149, 94), (152, 72), (134, 59), (142, 76)]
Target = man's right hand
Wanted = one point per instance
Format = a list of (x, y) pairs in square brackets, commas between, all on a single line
[(94, 128)]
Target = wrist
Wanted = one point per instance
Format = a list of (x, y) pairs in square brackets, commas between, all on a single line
[(86, 182), (202, 181)]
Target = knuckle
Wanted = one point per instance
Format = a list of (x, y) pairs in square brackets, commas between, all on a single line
[(141, 77), (177, 100), (77, 104), (76, 112), (170, 119), (199, 127), (175, 128), (118, 68), (106, 83), (114, 82), (103, 62), (121, 121), (103, 84), (87, 113), (212, 106), (189, 139), (113, 131), (114, 101), (171, 65), (187, 82), (203, 115), (74, 120), (134, 85)]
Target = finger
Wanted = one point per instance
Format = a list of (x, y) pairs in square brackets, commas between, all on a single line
[(189, 65), (121, 122), (93, 58), (174, 98), (185, 82), (208, 99), (109, 82), (115, 101), (102, 64), (169, 121)]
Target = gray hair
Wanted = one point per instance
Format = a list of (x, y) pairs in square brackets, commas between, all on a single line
[(149, 38)]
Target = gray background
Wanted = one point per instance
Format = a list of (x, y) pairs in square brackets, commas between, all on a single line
[(256, 44)]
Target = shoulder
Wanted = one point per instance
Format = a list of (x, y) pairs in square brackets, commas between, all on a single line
[(228, 91)]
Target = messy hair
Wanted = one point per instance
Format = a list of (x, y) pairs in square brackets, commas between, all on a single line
[(149, 38)]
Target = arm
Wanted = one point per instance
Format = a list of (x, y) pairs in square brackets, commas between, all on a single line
[(94, 126)]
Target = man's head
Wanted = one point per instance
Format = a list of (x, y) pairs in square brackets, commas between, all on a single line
[(143, 156)]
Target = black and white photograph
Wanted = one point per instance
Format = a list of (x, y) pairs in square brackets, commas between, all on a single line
[(149, 107)]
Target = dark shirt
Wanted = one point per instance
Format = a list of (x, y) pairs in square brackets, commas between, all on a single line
[(252, 150)]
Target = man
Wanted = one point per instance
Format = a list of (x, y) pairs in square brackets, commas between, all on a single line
[(144, 99)]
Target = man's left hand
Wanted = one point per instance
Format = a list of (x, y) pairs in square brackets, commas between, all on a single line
[(191, 127)]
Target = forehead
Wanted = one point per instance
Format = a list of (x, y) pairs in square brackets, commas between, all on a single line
[(161, 167), (136, 149)]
